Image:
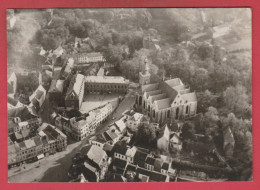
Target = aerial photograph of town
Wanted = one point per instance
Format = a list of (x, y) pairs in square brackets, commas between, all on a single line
[(129, 95)]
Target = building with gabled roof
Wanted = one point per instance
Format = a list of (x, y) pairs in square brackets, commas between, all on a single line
[(13, 103), (95, 161), (24, 81), (164, 100), (75, 92), (133, 119), (163, 139), (37, 98)]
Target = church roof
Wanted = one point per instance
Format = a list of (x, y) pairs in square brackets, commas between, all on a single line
[(150, 87), (158, 97), (162, 104), (154, 92), (174, 82)]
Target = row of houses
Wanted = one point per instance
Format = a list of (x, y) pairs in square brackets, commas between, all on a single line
[(81, 127), (48, 140)]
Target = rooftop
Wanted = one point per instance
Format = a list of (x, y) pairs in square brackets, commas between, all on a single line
[(94, 153), (106, 79)]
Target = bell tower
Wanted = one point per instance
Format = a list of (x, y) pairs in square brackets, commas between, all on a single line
[(144, 76)]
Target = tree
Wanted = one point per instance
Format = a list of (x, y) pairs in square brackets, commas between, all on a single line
[(200, 79), (205, 100), (236, 99), (113, 54), (179, 32), (131, 68), (146, 134), (211, 119), (205, 51), (188, 131), (143, 18)]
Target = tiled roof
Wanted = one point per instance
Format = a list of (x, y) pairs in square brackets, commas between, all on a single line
[(119, 148), (12, 101), (150, 160), (9, 88), (164, 132), (92, 54), (25, 132), (51, 131), (106, 79), (185, 91), (165, 166), (120, 124), (120, 163), (163, 103), (179, 87), (174, 82), (29, 143), (78, 83), (94, 153), (37, 141), (131, 152), (150, 87), (136, 117), (22, 112), (152, 93), (111, 133), (158, 97), (153, 176), (18, 135), (139, 158), (39, 94), (99, 138), (108, 147), (158, 164)]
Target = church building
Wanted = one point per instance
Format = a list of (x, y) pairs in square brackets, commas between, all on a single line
[(164, 100)]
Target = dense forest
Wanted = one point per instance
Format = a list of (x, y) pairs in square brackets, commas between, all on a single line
[(222, 79)]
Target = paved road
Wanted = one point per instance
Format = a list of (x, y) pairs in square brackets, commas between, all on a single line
[(126, 104), (54, 168)]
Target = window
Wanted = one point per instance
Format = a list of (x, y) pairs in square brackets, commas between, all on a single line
[(168, 113), (177, 113), (140, 100), (187, 109)]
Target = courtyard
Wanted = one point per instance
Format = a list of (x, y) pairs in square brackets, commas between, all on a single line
[(94, 101)]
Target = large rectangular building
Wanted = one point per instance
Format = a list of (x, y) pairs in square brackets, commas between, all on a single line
[(94, 57), (165, 100), (106, 84)]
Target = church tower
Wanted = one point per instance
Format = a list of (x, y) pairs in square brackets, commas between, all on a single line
[(144, 76)]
